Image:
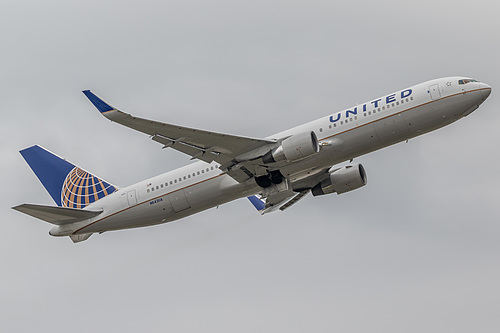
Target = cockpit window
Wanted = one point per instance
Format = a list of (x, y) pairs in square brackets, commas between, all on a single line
[(465, 81)]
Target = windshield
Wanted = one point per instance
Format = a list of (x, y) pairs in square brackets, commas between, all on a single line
[(465, 81)]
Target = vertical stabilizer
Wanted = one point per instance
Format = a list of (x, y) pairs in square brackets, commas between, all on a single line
[(66, 183)]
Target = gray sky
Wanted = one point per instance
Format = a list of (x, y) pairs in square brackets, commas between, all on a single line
[(416, 250)]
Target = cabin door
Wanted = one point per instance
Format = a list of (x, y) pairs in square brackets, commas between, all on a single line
[(434, 91), (131, 198)]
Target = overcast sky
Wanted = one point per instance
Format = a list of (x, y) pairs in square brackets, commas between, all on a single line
[(416, 250)]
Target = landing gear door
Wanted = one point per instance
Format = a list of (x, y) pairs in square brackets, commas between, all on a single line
[(131, 198), (434, 91)]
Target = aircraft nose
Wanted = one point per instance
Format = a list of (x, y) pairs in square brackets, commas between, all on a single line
[(485, 90)]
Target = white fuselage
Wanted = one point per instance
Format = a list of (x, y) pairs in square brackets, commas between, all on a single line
[(343, 136)]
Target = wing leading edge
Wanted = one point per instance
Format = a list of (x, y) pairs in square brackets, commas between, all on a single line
[(225, 149)]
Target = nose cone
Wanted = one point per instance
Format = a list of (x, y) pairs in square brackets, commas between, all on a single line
[(485, 90)]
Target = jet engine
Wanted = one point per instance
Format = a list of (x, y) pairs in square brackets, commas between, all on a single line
[(293, 148), (342, 180)]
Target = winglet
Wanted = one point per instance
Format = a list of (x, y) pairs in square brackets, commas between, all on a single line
[(259, 204), (98, 103)]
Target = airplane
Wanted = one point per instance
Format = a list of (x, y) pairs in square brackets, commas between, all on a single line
[(274, 173)]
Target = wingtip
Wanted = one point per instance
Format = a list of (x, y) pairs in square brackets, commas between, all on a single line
[(98, 103), (257, 203)]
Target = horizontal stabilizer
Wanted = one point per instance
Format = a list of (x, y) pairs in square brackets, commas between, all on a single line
[(56, 215)]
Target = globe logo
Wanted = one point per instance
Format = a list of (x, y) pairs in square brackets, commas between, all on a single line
[(82, 188)]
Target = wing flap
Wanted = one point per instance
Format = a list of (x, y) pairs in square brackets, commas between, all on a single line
[(205, 154), (295, 199), (56, 215)]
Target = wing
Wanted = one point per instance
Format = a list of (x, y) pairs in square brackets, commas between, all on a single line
[(273, 202), (227, 150)]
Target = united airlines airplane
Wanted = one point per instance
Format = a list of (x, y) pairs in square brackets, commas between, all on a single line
[(273, 172)]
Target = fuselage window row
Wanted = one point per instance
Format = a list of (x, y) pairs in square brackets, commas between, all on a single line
[(179, 179)]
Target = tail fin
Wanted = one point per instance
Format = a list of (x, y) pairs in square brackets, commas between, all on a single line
[(66, 183)]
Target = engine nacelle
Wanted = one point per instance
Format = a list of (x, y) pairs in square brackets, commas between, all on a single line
[(294, 148), (342, 180)]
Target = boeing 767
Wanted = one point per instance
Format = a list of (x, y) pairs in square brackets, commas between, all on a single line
[(273, 172)]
